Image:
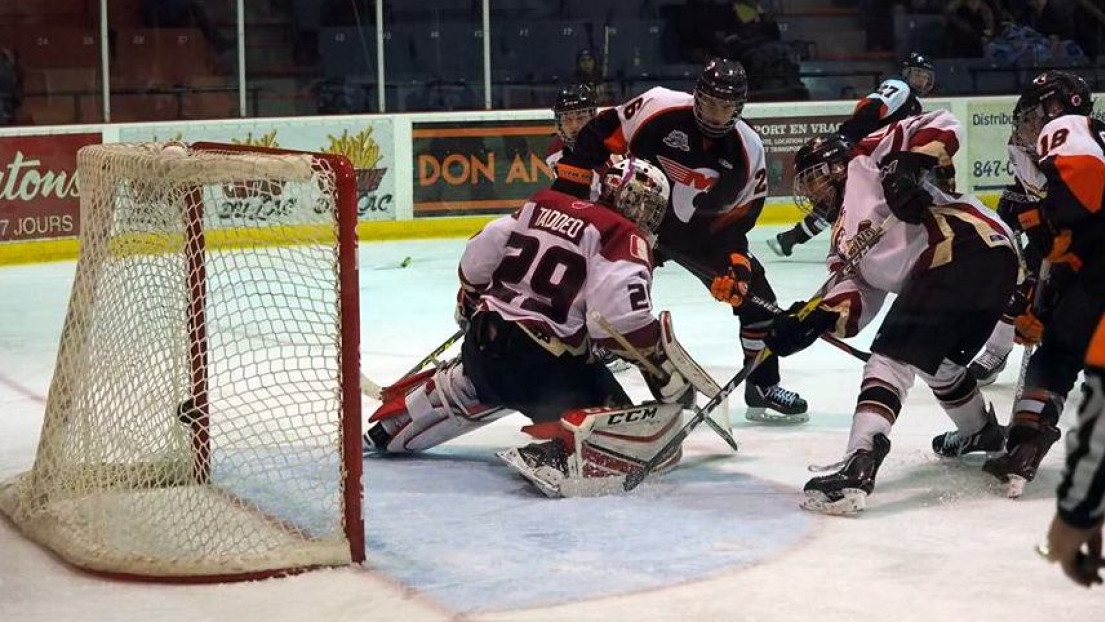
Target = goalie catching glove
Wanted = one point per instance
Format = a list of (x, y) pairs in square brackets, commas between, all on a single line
[(732, 286), (792, 332)]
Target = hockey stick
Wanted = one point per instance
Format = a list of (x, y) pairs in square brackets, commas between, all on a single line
[(701, 272), (432, 356), (375, 391), (863, 242), (656, 371), (1022, 375)]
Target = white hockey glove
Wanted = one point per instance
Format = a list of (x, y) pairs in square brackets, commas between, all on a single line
[(670, 388)]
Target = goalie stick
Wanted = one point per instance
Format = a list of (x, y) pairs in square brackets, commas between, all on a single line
[(375, 391), (701, 272), (863, 242), (704, 379)]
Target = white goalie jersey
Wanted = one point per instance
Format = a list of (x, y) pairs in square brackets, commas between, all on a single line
[(556, 259), (954, 222)]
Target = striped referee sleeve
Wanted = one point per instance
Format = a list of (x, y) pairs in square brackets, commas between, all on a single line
[(1082, 492)]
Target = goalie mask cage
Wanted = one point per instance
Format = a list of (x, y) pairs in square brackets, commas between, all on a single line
[(203, 421)]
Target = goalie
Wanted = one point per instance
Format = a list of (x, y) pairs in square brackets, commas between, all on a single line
[(533, 285)]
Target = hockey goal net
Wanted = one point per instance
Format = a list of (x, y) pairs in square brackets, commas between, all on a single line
[(203, 421)]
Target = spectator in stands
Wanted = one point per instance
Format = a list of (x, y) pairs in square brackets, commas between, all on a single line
[(588, 73), (1048, 18), (11, 87), (184, 14), (971, 25)]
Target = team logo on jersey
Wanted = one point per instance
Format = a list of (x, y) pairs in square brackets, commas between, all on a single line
[(687, 183), (677, 140)]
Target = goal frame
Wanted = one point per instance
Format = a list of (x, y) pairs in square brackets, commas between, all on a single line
[(194, 411), (345, 203)]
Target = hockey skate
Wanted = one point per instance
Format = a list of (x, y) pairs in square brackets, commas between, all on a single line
[(1021, 460), (990, 438), (774, 404), (543, 464), (845, 492), (987, 366), (783, 243)]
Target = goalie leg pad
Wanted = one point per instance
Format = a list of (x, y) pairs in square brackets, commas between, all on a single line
[(437, 410), (691, 370), (602, 445)]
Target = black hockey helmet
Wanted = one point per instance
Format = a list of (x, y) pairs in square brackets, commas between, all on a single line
[(575, 105), (1049, 95), (919, 73), (820, 170), (719, 96)]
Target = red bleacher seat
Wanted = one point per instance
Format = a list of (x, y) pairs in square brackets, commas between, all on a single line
[(163, 55), (214, 103), (44, 48), (144, 107)]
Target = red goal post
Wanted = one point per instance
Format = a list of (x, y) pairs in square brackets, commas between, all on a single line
[(204, 419)]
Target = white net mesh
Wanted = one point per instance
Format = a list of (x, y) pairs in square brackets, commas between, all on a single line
[(194, 422)]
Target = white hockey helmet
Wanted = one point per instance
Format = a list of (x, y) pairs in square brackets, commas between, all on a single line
[(637, 189)]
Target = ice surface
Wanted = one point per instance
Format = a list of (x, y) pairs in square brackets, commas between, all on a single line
[(453, 535)]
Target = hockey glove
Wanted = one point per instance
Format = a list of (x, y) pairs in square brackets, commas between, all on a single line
[(901, 175), (789, 333), (467, 301), (1028, 330), (672, 386), (732, 286), (1062, 270), (1020, 211)]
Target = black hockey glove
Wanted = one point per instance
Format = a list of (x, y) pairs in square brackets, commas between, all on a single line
[(790, 334), (1020, 211), (901, 184)]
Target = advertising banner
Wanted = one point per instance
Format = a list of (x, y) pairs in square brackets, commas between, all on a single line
[(478, 167), (365, 141), (988, 127), (39, 189), (782, 137)]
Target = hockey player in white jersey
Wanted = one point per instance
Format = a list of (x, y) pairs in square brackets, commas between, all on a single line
[(952, 265), (895, 99), (715, 163), (531, 284)]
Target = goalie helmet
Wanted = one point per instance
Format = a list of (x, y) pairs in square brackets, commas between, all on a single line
[(574, 107), (1050, 95), (919, 74), (820, 171), (719, 96), (637, 189)]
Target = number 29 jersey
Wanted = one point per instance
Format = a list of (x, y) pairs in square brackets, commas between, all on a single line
[(555, 260)]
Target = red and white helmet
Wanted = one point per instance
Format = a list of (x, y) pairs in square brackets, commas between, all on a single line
[(639, 190)]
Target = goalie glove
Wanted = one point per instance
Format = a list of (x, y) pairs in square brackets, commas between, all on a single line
[(901, 185), (790, 333), (732, 286)]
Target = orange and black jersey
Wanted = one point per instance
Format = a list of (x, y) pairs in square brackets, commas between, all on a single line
[(722, 179), (1072, 159)]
